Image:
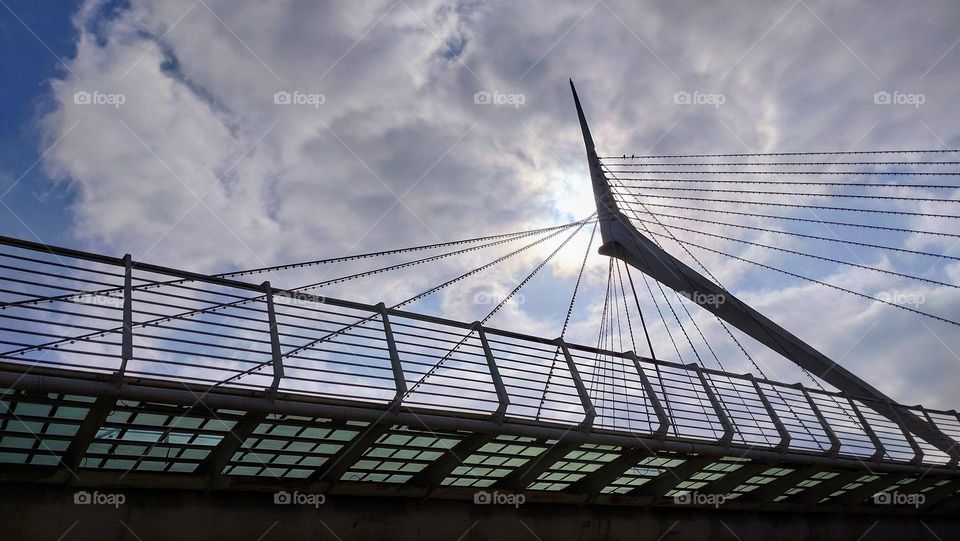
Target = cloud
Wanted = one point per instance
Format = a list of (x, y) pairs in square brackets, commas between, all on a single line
[(200, 168)]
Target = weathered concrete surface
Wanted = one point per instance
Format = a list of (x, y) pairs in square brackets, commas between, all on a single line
[(31, 512)]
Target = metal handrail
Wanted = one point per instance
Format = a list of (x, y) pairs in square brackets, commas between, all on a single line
[(519, 346)]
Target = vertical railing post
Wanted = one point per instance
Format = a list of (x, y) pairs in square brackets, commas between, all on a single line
[(400, 382), (664, 420), (275, 354), (728, 430), (926, 415), (907, 435), (957, 415), (831, 435), (588, 410), (774, 416), (126, 339), (502, 397), (874, 439)]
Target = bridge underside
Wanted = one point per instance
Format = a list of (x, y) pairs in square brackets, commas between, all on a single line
[(47, 512), (199, 407), (71, 431)]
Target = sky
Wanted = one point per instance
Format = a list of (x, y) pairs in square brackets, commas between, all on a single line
[(225, 135)]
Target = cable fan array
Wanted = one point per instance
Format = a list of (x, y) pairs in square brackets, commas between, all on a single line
[(759, 223), (779, 218)]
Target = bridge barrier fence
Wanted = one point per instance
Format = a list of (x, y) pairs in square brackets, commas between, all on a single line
[(68, 309)]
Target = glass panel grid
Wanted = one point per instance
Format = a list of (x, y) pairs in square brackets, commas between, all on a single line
[(757, 481), (574, 466), (643, 472), (290, 446), (157, 437), (399, 454), (37, 429), (495, 460)]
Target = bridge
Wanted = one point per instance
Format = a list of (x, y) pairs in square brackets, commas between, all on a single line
[(130, 380)]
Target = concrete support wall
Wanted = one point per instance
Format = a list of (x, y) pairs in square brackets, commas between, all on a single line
[(38, 512)]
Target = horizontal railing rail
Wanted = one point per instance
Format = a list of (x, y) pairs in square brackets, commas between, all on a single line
[(67, 308)]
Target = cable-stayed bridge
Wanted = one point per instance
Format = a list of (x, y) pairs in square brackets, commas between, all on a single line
[(124, 374)]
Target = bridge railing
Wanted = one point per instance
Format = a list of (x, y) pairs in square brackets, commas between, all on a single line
[(74, 310)]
